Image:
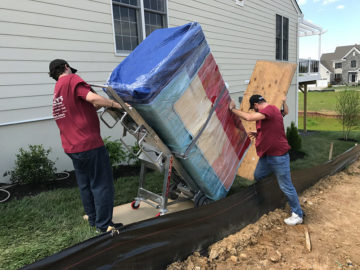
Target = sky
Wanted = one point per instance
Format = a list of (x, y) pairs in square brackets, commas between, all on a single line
[(341, 20)]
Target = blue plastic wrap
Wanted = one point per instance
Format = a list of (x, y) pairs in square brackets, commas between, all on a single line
[(172, 80), (149, 68)]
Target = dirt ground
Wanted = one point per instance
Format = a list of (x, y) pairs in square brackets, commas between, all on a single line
[(332, 209)]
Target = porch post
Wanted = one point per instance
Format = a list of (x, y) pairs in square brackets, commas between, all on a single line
[(305, 106)]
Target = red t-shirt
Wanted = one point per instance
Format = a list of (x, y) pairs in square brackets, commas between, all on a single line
[(271, 139), (76, 118)]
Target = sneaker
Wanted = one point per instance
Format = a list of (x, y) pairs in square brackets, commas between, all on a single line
[(293, 220), (117, 225), (113, 226)]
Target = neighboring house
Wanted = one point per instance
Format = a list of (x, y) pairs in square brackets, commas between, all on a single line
[(325, 74), (343, 65), (94, 36)]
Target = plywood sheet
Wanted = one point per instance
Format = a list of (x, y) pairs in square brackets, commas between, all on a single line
[(271, 80)]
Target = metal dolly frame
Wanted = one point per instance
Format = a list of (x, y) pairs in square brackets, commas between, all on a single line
[(153, 154)]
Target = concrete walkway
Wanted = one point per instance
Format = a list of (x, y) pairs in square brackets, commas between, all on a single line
[(127, 215)]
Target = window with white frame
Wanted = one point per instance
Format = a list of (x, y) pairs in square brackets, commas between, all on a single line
[(282, 38), (338, 65), (136, 19), (353, 63)]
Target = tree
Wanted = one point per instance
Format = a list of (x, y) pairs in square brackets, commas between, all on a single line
[(293, 137), (348, 107)]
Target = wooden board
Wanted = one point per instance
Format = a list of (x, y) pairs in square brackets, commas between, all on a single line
[(271, 80)]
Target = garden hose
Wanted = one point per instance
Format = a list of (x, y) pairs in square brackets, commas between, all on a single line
[(64, 177), (7, 194)]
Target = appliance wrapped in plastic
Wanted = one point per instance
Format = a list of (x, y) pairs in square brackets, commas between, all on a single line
[(173, 81)]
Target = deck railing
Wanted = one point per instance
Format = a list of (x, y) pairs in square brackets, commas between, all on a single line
[(308, 66)]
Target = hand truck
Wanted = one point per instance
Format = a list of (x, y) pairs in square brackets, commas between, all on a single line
[(154, 154)]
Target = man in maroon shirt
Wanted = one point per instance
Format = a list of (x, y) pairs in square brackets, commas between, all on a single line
[(272, 148), (74, 110)]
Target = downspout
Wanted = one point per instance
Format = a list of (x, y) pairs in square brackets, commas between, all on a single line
[(297, 73)]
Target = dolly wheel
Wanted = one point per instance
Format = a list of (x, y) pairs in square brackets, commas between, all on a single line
[(200, 199), (135, 205), (172, 192)]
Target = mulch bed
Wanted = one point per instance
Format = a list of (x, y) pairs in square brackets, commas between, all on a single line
[(294, 155), (20, 191)]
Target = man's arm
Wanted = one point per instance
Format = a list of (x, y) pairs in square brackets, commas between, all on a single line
[(285, 109), (100, 101), (244, 115)]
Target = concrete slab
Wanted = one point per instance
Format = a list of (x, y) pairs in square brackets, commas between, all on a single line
[(127, 215)]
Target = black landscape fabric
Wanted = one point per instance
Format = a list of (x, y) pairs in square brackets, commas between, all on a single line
[(157, 242)]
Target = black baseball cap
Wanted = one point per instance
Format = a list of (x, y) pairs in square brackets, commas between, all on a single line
[(54, 64), (255, 99)]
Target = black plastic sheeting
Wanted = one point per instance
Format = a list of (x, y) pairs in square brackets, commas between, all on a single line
[(157, 242)]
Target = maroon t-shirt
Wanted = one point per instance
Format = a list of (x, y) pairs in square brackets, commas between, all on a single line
[(271, 139), (76, 118)]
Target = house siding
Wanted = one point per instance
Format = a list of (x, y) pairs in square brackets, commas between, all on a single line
[(324, 73), (35, 32), (32, 34)]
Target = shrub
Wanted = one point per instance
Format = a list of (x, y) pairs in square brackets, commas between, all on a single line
[(348, 106), (33, 166), (132, 158), (116, 151), (293, 137)]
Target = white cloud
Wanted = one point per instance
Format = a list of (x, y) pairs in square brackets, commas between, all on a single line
[(325, 2), (301, 2), (340, 7)]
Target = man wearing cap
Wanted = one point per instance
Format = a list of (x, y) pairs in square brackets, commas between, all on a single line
[(272, 148), (74, 110)]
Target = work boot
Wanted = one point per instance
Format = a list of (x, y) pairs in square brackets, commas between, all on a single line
[(293, 220)]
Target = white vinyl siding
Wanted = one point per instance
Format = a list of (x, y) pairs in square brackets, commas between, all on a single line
[(35, 32)]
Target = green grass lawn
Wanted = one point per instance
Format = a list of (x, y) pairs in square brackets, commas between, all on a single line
[(316, 145), (35, 227), (322, 124), (322, 101), (318, 101)]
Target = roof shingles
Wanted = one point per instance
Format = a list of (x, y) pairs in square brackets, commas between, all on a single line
[(327, 58)]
